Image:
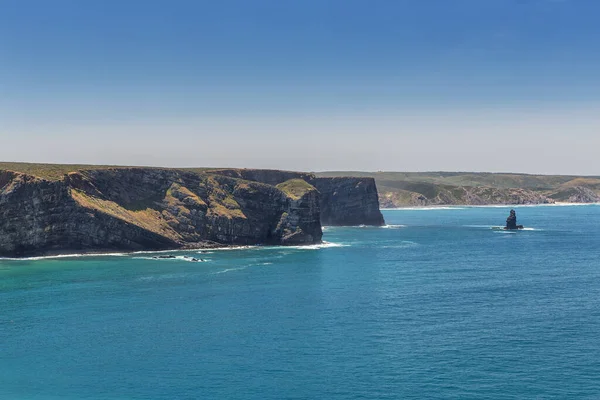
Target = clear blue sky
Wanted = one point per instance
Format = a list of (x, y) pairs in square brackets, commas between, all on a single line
[(485, 85)]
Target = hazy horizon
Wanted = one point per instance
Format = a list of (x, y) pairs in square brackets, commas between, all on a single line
[(496, 86)]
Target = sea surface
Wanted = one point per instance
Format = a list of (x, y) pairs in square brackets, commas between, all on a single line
[(436, 305)]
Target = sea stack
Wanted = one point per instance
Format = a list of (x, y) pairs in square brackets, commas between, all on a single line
[(511, 221)]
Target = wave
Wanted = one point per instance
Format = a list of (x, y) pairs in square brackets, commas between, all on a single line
[(75, 255), (176, 258), (229, 248), (380, 227), (402, 245), (231, 269), (323, 245), (163, 277), (570, 204)]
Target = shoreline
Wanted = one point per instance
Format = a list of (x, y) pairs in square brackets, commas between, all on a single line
[(465, 206)]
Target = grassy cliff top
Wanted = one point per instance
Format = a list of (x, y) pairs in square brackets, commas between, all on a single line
[(50, 171), (55, 172), (295, 188), (474, 179)]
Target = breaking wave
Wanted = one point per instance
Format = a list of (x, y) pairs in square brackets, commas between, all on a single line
[(76, 255)]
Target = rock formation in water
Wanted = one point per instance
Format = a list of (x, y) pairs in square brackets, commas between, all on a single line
[(129, 209), (511, 221)]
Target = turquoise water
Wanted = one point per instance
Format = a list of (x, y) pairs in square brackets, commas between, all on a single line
[(436, 305)]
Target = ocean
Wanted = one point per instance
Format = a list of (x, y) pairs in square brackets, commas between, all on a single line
[(435, 305)]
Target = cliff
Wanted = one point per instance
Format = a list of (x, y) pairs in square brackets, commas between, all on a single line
[(348, 201), (130, 209), (344, 201), (148, 209)]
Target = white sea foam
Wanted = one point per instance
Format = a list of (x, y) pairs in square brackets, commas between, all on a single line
[(323, 245), (176, 258), (401, 245), (231, 269), (425, 208), (560, 204), (501, 229), (381, 227), (242, 267), (77, 255), (163, 277), (137, 253), (229, 248)]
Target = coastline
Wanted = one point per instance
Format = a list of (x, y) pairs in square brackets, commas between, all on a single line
[(465, 206)]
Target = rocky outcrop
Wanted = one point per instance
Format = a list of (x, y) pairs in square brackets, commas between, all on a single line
[(130, 209), (343, 200), (297, 225), (511, 221)]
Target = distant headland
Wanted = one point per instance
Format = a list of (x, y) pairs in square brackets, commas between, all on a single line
[(410, 189)]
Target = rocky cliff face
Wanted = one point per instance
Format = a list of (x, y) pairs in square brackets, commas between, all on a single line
[(150, 209), (576, 194), (343, 200), (348, 201), (442, 195)]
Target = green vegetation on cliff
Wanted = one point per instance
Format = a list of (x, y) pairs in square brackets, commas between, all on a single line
[(49, 171), (56, 172), (295, 188)]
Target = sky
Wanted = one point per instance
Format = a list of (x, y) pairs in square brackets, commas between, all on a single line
[(314, 85)]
